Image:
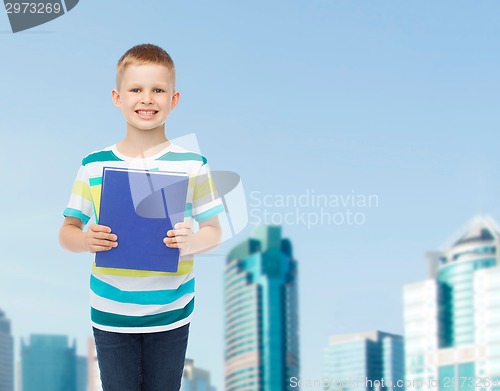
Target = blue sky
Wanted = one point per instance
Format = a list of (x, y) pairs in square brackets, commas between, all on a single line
[(388, 98)]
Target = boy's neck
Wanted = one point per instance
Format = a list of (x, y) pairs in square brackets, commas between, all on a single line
[(143, 144)]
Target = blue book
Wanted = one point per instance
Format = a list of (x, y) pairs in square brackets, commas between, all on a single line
[(140, 206)]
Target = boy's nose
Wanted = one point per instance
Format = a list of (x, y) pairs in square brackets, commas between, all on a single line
[(146, 98)]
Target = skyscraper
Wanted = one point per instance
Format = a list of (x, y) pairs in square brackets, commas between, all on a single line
[(48, 364), (18, 377), (452, 319), (195, 379), (364, 361), (6, 355), (81, 373), (261, 313)]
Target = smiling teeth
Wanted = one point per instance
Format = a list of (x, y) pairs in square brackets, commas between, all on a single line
[(146, 112)]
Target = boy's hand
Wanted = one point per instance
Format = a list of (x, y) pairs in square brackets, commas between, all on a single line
[(99, 238), (180, 237)]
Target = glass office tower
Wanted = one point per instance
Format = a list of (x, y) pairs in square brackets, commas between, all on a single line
[(6, 355), (452, 319), (261, 313), (48, 364), (195, 379), (364, 362), (81, 373)]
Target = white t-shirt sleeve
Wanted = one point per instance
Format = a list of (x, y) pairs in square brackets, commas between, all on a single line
[(80, 203), (206, 200)]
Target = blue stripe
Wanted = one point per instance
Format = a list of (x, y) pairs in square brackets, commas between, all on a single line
[(159, 297), (182, 156), (95, 181), (100, 156), (208, 214), (189, 209), (70, 212)]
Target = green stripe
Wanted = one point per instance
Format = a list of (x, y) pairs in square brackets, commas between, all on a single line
[(96, 181), (101, 156), (115, 320), (70, 212), (180, 156), (208, 214), (159, 297)]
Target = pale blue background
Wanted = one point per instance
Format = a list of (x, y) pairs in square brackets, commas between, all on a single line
[(394, 98)]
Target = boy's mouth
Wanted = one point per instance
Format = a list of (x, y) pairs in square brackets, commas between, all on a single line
[(146, 113)]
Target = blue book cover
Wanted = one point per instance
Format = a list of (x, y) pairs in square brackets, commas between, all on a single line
[(140, 206)]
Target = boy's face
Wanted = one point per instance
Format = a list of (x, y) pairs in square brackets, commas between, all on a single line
[(145, 96)]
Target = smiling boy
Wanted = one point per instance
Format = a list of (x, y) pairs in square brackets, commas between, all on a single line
[(141, 318)]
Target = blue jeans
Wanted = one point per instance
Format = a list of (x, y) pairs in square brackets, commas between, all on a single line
[(141, 362)]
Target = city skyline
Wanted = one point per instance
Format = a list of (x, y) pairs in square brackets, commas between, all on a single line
[(446, 329), (50, 363)]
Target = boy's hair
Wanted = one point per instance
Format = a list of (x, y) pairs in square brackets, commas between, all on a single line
[(145, 54)]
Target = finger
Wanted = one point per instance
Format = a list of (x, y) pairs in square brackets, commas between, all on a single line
[(181, 239), (105, 243), (183, 232), (100, 228), (176, 232), (184, 224), (170, 240), (99, 248), (103, 235), (175, 242)]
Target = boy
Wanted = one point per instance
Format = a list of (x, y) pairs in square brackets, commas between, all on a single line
[(141, 318)]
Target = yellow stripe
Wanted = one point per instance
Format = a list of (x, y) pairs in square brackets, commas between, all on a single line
[(203, 188), (192, 181), (185, 267), (82, 189), (96, 195)]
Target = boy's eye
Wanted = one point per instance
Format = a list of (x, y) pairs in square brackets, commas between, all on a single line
[(156, 90)]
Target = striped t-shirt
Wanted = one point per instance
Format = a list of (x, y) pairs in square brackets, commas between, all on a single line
[(139, 301)]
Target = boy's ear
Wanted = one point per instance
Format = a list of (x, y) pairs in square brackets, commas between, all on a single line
[(115, 96), (175, 99)]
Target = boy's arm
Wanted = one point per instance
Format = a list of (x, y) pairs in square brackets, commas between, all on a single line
[(96, 238), (208, 236), (204, 240)]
